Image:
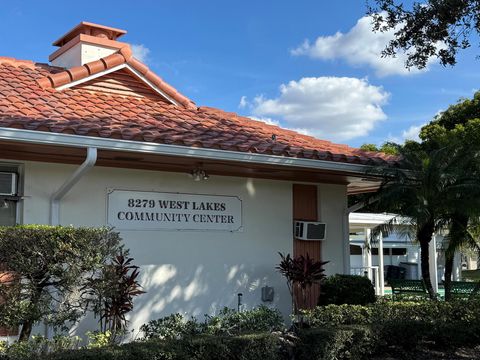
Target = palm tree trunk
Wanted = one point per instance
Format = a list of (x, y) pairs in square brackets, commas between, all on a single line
[(424, 236), (458, 236), (424, 256), (448, 275)]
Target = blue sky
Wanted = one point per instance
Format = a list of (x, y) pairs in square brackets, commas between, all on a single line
[(251, 57)]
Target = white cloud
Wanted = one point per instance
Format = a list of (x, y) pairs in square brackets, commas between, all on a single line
[(243, 102), (335, 108), (412, 132), (359, 46), (266, 120), (140, 52), (270, 121)]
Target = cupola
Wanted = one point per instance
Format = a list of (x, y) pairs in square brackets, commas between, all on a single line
[(85, 43)]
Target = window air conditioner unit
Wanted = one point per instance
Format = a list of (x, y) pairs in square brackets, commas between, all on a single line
[(307, 230), (8, 183)]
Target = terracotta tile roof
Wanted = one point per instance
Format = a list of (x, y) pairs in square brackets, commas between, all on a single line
[(29, 100), (123, 56)]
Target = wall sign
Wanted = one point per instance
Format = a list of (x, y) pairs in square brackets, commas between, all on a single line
[(145, 210)]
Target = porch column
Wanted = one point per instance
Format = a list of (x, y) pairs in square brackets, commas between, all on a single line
[(457, 266), (381, 279), (432, 250), (368, 252), (346, 244)]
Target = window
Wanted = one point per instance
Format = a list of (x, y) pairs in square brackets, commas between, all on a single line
[(8, 201), (8, 216), (355, 250), (386, 251), (399, 251)]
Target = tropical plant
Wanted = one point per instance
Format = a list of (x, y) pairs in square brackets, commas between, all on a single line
[(458, 128), (112, 291), (301, 273), (422, 192), (49, 265)]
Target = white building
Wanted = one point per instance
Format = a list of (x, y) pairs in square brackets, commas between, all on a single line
[(397, 248), (96, 138)]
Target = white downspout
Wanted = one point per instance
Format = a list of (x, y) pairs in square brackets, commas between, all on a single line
[(58, 195), (89, 162)]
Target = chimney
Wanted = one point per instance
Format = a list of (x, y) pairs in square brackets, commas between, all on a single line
[(86, 42)]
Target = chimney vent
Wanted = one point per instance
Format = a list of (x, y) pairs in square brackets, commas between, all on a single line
[(86, 42)]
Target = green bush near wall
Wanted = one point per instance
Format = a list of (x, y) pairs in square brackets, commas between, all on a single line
[(346, 289), (337, 332), (407, 324), (245, 347), (343, 342)]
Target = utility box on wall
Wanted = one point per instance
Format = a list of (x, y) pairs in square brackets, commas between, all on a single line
[(267, 294)]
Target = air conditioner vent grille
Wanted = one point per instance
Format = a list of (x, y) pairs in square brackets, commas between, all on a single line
[(308, 230), (8, 183)]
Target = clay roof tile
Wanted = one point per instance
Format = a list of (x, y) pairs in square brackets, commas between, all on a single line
[(29, 100)]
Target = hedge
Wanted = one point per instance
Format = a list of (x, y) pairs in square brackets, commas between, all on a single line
[(337, 332), (245, 347), (343, 342), (407, 324), (346, 289)]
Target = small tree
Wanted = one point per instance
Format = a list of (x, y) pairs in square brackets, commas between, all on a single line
[(301, 273), (50, 265)]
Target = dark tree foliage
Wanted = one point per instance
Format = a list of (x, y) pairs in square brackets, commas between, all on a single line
[(389, 148), (458, 114), (428, 28)]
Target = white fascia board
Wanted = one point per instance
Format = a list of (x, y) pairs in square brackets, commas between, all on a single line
[(79, 141), (374, 219), (150, 84)]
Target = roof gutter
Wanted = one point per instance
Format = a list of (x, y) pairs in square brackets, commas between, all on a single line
[(55, 199), (80, 141)]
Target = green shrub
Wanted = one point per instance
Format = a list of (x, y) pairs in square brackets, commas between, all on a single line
[(228, 322), (334, 343), (346, 289), (170, 327), (38, 347), (334, 315), (244, 347), (407, 324), (50, 262)]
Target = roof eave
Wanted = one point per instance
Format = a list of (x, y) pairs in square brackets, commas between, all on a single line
[(80, 141)]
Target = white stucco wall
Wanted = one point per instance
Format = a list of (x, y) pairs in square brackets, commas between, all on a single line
[(193, 272)]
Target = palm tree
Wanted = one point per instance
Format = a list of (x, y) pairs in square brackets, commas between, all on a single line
[(464, 224), (419, 192)]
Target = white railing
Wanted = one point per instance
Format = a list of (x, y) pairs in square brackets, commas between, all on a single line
[(371, 272)]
